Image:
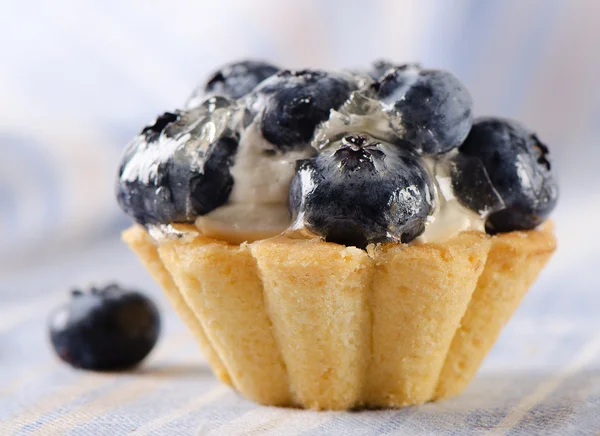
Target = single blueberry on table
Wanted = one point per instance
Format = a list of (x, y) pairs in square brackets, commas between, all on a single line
[(289, 105), (360, 190), (505, 171), (179, 167), (234, 80), (105, 329), (430, 109)]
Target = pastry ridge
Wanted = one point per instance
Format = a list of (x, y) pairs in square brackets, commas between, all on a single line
[(306, 323), (137, 238), (513, 264)]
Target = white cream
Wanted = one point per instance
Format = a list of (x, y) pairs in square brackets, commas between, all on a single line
[(258, 204), (262, 174), (244, 222), (449, 217)]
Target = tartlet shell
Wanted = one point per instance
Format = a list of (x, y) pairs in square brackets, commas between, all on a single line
[(305, 323)]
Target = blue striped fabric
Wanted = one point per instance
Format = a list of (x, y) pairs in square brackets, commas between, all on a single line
[(78, 79), (543, 376)]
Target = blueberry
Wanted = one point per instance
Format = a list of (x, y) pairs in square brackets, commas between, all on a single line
[(504, 171), (430, 109), (179, 167), (290, 104), (234, 80), (211, 188), (105, 329), (380, 67), (360, 190), (153, 131)]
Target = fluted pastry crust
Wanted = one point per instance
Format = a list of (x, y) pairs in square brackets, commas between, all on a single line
[(292, 322)]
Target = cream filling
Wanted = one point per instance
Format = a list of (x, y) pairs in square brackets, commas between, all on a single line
[(244, 222), (449, 217), (258, 204), (248, 222), (261, 174)]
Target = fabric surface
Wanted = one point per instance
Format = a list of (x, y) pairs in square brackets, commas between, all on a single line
[(78, 79), (542, 377)]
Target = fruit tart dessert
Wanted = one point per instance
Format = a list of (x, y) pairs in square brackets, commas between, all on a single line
[(339, 239)]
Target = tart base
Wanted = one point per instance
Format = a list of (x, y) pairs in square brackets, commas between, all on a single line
[(305, 323), (513, 264)]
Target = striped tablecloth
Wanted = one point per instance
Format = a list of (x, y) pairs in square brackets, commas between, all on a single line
[(79, 78), (542, 377)]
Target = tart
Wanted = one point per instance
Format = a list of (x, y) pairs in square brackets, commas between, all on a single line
[(338, 240)]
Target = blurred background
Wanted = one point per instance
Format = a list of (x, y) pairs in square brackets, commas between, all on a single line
[(79, 79)]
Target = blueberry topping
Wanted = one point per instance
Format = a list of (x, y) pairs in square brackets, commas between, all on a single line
[(179, 167), (430, 109), (153, 131), (356, 154), (361, 141), (359, 191), (379, 68), (290, 104), (382, 66), (211, 188), (234, 80), (504, 170), (105, 329)]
